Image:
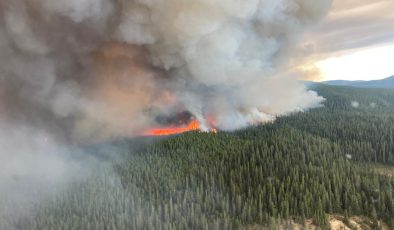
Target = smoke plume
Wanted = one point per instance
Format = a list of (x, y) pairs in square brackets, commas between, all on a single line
[(94, 69)]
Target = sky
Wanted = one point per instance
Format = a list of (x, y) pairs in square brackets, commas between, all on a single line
[(354, 42)]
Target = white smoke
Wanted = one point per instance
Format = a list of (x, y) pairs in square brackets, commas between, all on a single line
[(33, 168), (355, 104), (226, 55), (96, 69), (88, 70)]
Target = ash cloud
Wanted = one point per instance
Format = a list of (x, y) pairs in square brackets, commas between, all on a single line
[(94, 69), (84, 71)]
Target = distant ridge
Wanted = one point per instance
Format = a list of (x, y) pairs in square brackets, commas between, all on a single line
[(387, 83)]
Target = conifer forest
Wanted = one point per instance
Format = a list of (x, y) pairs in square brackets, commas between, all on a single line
[(304, 166)]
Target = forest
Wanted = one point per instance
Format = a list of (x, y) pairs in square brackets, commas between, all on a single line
[(301, 167)]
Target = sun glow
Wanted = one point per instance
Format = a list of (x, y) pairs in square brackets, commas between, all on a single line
[(364, 64)]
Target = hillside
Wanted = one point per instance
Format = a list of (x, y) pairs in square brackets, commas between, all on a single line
[(302, 168), (387, 83)]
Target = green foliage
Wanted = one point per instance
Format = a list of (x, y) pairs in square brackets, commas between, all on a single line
[(297, 168), (366, 132)]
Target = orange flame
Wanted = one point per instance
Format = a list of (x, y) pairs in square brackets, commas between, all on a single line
[(172, 130)]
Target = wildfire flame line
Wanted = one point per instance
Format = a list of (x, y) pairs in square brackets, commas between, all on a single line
[(194, 125), (172, 130)]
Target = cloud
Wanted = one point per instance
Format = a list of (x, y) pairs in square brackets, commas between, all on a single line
[(351, 27), (354, 24)]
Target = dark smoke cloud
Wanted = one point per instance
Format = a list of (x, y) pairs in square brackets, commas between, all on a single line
[(84, 71), (96, 69)]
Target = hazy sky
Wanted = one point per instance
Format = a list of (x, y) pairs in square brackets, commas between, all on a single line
[(355, 41)]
